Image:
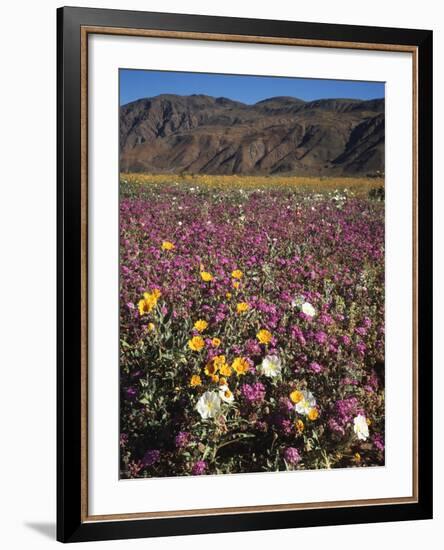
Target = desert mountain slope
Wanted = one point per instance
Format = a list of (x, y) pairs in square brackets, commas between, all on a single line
[(280, 135)]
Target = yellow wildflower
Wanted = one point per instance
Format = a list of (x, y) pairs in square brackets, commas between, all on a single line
[(242, 307), (240, 366), (215, 342), (219, 361), (207, 277), (296, 396), (150, 327), (223, 381), (357, 457), (236, 284), (200, 325), (237, 274), (264, 336), (228, 295), (195, 381), (313, 414), (149, 301), (196, 343), (167, 245), (210, 368), (299, 425), (142, 307), (226, 370), (215, 378)]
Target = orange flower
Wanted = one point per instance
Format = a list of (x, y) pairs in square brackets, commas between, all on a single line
[(313, 414), (195, 381), (299, 425), (215, 342), (296, 396)]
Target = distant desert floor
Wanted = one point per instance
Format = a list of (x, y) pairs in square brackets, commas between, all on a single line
[(358, 186)]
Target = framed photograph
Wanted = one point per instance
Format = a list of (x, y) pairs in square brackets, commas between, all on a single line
[(244, 274)]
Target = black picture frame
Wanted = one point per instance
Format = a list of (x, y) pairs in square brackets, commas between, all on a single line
[(71, 524)]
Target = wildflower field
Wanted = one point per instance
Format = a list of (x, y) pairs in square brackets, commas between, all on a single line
[(251, 324)]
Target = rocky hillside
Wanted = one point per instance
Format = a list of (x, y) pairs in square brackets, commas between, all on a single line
[(280, 135)]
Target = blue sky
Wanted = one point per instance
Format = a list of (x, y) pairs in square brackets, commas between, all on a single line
[(136, 84)]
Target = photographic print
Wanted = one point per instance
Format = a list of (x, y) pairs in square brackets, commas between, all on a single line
[(239, 299), (251, 274)]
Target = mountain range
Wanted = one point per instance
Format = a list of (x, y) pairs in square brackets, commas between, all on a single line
[(279, 135)]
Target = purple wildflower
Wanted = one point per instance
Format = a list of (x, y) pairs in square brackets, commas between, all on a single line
[(252, 347), (316, 367), (151, 457), (367, 323), (199, 468), (131, 392), (361, 348), (346, 340), (320, 337), (292, 456), (297, 334), (378, 442), (285, 405), (283, 424), (182, 439), (254, 393), (335, 427)]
